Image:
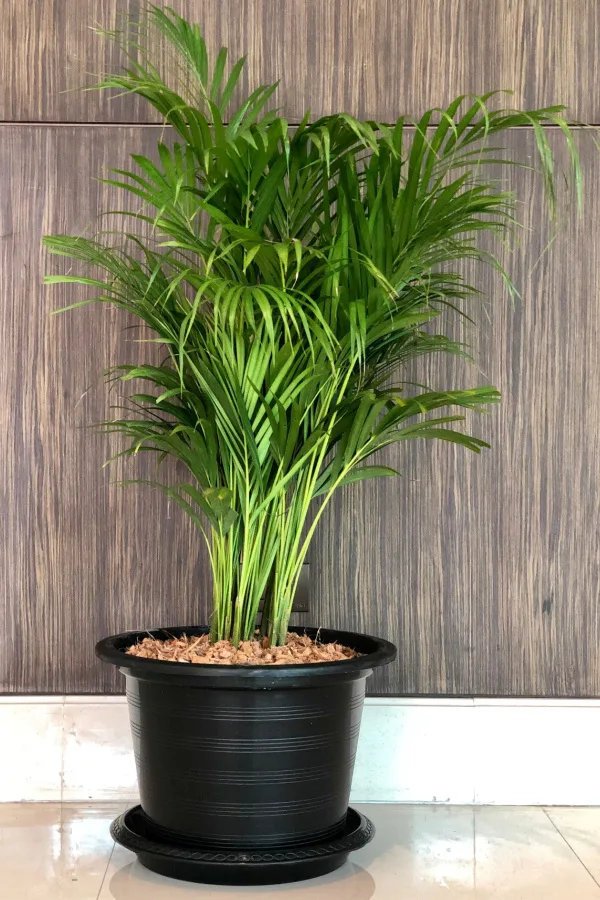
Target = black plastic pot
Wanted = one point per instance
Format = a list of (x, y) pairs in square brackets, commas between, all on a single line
[(236, 759)]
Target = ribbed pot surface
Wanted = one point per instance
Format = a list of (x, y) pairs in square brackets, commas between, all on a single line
[(246, 756)]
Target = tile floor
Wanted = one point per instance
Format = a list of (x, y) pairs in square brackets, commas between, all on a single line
[(420, 853)]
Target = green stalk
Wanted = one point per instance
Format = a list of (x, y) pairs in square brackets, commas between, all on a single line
[(290, 274)]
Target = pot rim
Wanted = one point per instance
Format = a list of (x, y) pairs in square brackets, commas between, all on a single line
[(375, 652)]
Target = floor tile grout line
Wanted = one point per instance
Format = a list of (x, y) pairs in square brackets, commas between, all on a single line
[(124, 809), (62, 749), (474, 828), (110, 856), (575, 854)]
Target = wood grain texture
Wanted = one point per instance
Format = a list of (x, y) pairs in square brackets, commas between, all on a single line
[(483, 569), (486, 569), (374, 58), (79, 555)]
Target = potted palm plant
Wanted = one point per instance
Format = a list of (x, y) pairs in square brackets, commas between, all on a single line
[(289, 275)]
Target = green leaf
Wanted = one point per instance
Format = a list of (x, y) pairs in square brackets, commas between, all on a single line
[(361, 473), (291, 279)]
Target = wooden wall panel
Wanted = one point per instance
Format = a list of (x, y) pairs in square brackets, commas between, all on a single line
[(486, 569), (483, 569), (79, 556), (376, 58)]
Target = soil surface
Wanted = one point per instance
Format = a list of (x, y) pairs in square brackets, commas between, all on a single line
[(298, 648)]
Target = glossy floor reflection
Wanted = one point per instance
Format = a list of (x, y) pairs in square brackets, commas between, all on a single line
[(420, 853)]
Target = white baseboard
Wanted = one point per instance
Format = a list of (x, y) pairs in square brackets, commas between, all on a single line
[(417, 750)]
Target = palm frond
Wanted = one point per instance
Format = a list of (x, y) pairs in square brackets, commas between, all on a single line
[(289, 273)]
